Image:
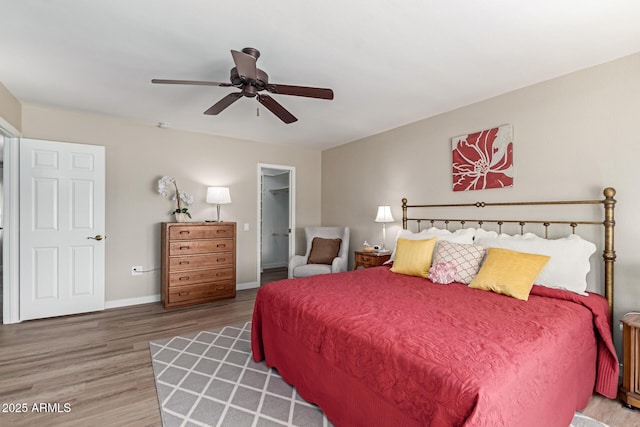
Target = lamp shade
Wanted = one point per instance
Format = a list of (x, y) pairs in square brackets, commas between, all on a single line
[(218, 195), (384, 214)]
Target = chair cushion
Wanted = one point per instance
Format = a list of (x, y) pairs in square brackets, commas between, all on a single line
[(311, 270), (323, 251)]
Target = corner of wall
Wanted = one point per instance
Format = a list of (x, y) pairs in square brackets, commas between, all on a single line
[(10, 112)]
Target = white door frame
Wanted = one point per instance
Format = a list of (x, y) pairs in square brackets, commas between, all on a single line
[(11, 225), (292, 212)]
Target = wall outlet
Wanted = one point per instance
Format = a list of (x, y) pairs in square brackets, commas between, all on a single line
[(246, 226), (136, 270)]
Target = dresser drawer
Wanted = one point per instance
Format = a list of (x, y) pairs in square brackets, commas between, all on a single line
[(197, 292), (190, 232), (200, 276), (200, 261), (194, 247)]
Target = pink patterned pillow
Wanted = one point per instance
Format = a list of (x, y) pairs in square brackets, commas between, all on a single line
[(442, 272), (466, 258)]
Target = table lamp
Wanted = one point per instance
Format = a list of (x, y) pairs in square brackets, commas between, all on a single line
[(384, 216), (218, 196)]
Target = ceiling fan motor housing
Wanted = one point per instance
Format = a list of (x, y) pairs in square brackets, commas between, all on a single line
[(250, 87)]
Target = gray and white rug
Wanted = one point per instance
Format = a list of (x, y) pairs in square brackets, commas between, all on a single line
[(209, 379)]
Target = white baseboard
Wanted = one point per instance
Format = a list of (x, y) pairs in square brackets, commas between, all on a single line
[(245, 286), (155, 298), (131, 301)]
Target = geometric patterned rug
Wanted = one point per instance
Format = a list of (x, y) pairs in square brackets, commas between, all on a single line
[(210, 379)]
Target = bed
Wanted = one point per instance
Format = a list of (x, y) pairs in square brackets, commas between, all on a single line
[(376, 348)]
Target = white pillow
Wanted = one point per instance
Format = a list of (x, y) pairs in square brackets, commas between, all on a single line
[(464, 235), (569, 264)]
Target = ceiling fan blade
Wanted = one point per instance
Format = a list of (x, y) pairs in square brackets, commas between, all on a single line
[(245, 64), (224, 103), (309, 92), (277, 109), (189, 82)]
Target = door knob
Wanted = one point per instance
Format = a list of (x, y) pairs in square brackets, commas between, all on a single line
[(97, 237)]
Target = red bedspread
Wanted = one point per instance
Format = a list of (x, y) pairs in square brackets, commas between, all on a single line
[(372, 347)]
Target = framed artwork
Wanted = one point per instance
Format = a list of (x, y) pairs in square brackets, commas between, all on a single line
[(483, 159)]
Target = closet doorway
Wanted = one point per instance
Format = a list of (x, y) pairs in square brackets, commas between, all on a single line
[(276, 221)]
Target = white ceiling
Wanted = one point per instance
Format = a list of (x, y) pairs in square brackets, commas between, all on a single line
[(389, 62)]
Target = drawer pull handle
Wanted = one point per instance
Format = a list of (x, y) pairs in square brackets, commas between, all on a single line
[(184, 278), (185, 232), (183, 263), (220, 231), (221, 259), (221, 245), (220, 288), (184, 247), (219, 274), (183, 293)]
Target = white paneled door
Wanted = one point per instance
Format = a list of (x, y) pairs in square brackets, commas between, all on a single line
[(62, 228)]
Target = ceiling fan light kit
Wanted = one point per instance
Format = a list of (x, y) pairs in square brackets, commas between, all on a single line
[(251, 80)]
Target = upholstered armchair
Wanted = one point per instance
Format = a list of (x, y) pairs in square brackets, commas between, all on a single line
[(319, 257)]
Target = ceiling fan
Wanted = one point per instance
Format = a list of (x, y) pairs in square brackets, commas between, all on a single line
[(251, 80)]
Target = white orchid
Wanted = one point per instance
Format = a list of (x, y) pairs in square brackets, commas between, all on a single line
[(180, 197), (187, 199), (163, 185)]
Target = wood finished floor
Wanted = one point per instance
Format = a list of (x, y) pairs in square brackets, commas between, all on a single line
[(99, 363)]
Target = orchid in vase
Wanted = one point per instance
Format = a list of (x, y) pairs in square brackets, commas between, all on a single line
[(183, 199)]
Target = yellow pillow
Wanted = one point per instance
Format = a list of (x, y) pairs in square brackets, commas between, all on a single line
[(509, 272), (413, 257)]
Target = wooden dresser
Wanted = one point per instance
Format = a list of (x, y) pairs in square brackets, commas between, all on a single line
[(198, 262), (629, 391)]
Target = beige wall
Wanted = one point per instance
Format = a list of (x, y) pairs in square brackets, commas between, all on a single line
[(137, 154), (573, 136), (10, 109)]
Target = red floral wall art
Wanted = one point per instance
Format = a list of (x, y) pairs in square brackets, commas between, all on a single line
[(483, 159)]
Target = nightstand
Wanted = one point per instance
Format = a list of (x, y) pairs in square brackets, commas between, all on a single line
[(629, 391), (369, 259)]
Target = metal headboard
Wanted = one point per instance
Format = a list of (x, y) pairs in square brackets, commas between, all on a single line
[(608, 223)]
